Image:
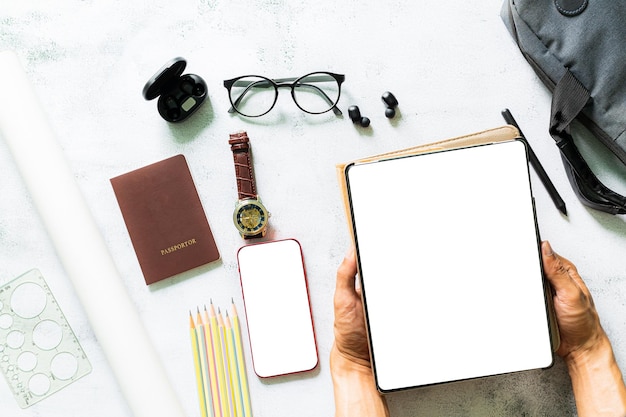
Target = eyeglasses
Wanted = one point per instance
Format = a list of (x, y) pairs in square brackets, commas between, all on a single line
[(315, 93)]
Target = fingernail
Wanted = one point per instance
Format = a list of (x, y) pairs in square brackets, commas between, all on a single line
[(547, 249)]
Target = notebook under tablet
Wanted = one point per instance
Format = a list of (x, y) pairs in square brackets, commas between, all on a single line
[(450, 265)]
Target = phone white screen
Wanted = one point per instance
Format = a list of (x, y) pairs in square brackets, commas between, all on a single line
[(278, 312)]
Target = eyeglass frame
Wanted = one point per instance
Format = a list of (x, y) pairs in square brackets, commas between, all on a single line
[(285, 82)]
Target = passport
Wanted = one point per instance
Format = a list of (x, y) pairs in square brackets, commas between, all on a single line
[(165, 219)]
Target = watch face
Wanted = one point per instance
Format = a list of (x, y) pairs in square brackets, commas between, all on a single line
[(250, 217)]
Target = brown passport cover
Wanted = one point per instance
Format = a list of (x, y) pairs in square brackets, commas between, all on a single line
[(165, 219)]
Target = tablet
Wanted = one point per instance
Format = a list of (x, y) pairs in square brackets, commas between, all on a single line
[(450, 267)]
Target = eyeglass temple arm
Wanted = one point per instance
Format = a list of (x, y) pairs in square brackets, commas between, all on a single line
[(267, 84), (334, 108), (314, 79), (248, 85)]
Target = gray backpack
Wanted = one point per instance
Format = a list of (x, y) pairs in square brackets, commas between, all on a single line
[(578, 49)]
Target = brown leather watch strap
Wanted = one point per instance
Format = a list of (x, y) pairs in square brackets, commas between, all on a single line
[(240, 145)]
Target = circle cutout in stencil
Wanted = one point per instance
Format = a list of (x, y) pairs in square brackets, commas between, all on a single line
[(28, 300), (27, 361), (47, 335), (39, 384), (64, 366), (6, 321), (15, 339)]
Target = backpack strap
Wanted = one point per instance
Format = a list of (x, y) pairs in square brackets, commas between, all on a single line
[(568, 99)]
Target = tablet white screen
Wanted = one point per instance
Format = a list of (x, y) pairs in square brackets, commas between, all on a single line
[(450, 265)]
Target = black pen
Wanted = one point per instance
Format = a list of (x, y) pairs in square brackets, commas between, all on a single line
[(534, 161)]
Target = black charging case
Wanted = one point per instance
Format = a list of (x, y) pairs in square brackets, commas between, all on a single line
[(180, 94)]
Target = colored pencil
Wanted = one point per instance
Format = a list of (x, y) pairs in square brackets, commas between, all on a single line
[(241, 364), (197, 364), (233, 368), (227, 377), (202, 351), (213, 379), (219, 359)]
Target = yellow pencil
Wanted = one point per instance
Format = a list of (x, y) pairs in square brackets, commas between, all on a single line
[(221, 375), (233, 369), (227, 377), (210, 354), (241, 364), (201, 337), (196, 361)]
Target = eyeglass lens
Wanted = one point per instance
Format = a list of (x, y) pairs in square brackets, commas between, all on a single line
[(316, 93), (255, 95)]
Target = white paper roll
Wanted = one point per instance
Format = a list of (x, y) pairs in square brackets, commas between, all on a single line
[(81, 248)]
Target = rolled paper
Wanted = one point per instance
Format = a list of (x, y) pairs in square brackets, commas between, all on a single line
[(81, 248)]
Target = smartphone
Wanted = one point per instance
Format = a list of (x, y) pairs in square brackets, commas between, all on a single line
[(277, 308)]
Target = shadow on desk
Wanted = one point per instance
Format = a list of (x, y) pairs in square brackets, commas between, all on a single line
[(534, 393), (288, 378)]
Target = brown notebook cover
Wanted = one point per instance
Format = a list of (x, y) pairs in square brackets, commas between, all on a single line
[(165, 219)]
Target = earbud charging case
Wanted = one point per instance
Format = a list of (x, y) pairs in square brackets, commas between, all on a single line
[(179, 95)]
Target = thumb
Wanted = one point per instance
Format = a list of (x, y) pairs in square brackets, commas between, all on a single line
[(346, 273), (560, 272)]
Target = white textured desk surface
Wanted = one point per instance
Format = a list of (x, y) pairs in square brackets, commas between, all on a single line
[(452, 66)]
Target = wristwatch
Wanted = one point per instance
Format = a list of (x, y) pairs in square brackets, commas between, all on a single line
[(250, 215)]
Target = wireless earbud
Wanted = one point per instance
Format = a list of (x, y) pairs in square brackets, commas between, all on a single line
[(355, 115), (187, 85), (180, 95), (391, 102), (172, 108)]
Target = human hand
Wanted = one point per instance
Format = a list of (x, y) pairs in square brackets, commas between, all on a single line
[(350, 333), (579, 324), (597, 381), (353, 380)]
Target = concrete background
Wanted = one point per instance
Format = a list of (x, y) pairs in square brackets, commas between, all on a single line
[(453, 68)]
